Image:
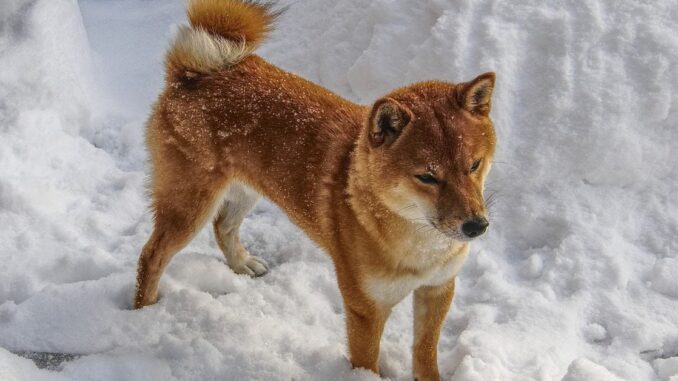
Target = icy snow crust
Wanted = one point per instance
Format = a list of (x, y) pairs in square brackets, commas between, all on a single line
[(576, 280)]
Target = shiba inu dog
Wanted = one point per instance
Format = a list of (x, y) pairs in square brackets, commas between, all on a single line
[(392, 191)]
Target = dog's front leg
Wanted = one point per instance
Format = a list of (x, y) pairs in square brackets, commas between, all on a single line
[(365, 324), (430, 308)]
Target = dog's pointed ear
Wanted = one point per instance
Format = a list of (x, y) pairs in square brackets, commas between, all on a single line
[(387, 119), (476, 96)]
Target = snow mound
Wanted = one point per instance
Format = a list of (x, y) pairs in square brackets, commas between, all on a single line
[(667, 369), (575, 281), (584, 370)]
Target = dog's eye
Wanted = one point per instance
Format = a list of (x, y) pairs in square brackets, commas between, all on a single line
[(475, 166), (427, 178)]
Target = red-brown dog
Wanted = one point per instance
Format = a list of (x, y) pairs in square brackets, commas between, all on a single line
[(393, 192)]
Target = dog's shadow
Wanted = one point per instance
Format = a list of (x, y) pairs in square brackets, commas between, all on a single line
[(48, 360)]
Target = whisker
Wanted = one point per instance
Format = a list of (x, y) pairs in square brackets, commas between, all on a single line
[(421, 227), (406, 207)]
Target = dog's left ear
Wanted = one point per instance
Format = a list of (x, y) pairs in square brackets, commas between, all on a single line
[(476, 96)]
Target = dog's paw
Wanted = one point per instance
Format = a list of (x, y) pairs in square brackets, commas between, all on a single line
[(252, 266)]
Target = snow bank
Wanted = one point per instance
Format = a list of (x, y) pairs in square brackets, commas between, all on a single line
[(576, 279), (60, 195)]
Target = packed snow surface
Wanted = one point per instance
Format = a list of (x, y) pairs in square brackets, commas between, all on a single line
[(576, 280)]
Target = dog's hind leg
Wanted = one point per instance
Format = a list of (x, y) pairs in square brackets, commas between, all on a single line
[(183, 200), (239, 200)]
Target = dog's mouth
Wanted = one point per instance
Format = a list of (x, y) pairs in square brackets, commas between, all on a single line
[(463, 231), (457, 235)]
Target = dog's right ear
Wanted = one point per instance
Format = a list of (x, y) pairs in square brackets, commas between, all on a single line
[(387, 120), (476, 96)]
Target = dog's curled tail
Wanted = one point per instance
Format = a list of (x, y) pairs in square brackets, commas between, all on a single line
[(222, 33)]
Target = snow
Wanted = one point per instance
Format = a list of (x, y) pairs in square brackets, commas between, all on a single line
[(583, 369), (576, 279), (667, 368)]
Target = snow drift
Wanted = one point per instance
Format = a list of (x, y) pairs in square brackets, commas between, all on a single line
[(576, 279)]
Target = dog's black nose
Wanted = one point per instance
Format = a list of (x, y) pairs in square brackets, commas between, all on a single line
[(475, 226)]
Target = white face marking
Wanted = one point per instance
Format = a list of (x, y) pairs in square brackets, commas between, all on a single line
[(408, 205)]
